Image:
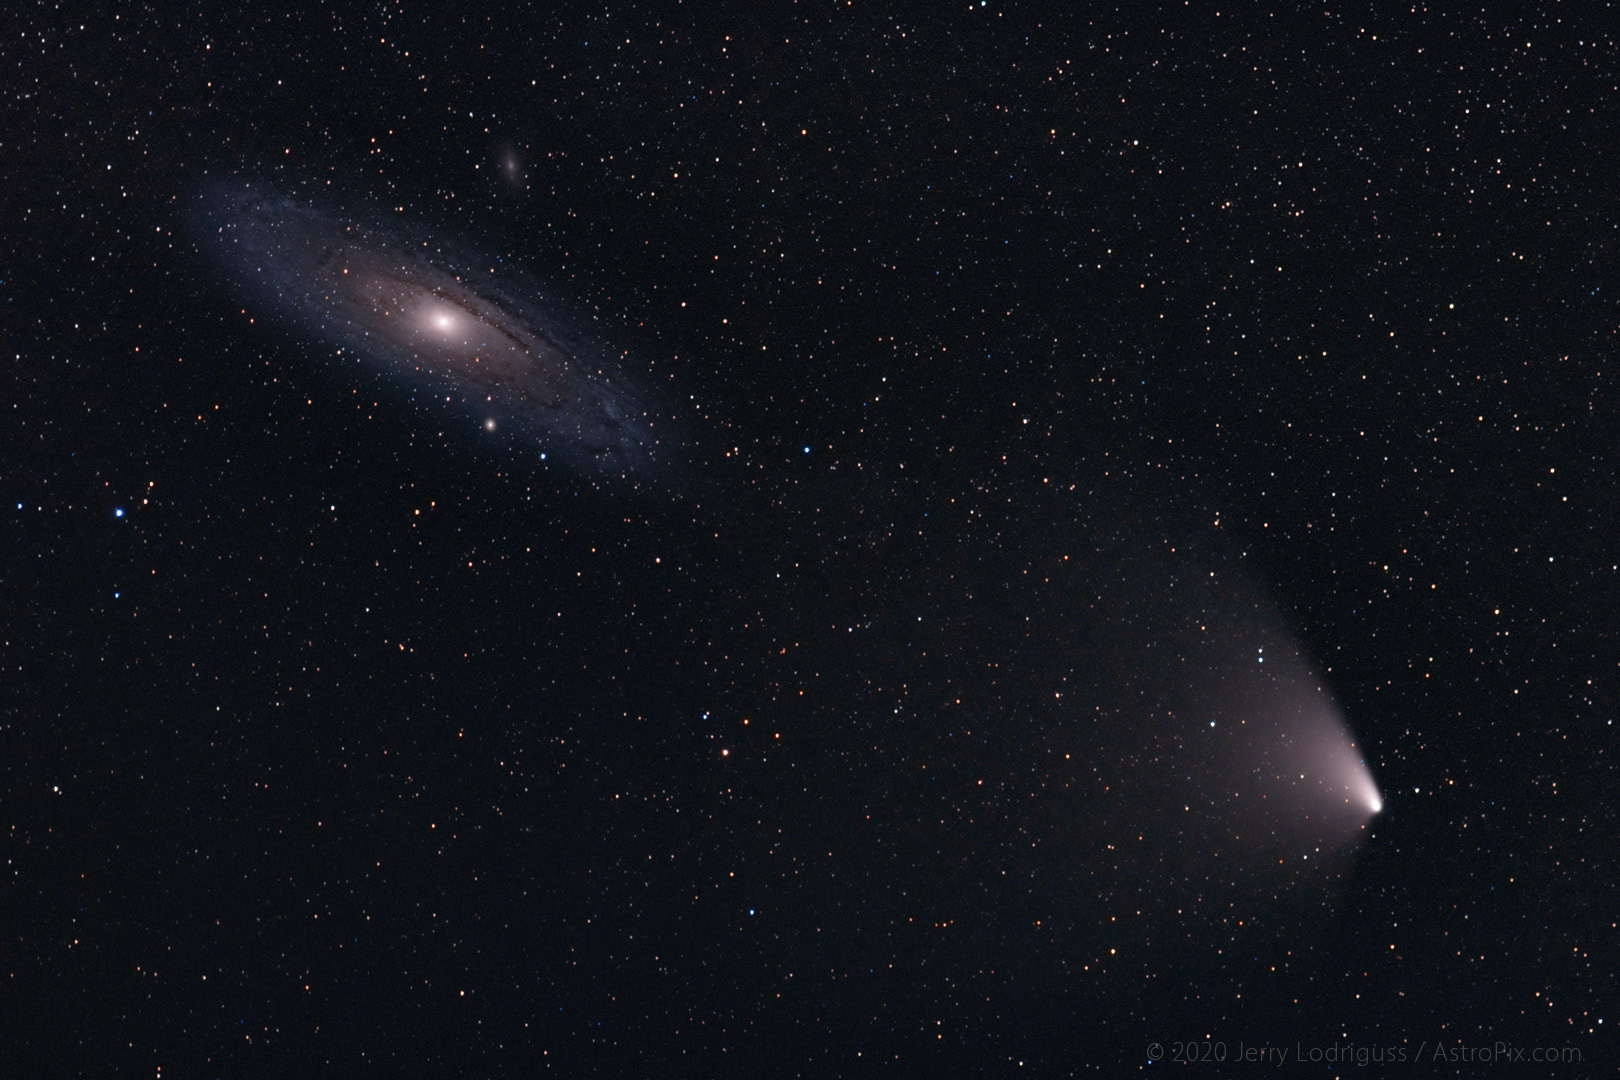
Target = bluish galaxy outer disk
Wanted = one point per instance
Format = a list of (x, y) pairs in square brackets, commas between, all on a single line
[(403, 304)]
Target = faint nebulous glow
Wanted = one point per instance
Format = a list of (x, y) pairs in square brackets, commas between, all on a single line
[(509, 163)]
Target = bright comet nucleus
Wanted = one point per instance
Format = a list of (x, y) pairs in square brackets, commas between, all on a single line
[(1362, 788)]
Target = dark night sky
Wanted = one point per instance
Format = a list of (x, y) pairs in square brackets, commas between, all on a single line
[(1034, 368)]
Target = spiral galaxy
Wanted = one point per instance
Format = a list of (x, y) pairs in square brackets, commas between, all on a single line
[(491, 345)]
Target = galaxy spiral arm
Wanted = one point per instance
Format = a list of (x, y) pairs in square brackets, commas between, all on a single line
[(496, 347)]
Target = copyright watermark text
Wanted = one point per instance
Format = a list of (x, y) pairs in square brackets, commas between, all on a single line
[(1218, 1051)]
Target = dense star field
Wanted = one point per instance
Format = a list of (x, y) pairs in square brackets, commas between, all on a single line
[(691, 540)]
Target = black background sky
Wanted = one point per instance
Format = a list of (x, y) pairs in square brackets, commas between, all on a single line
[(360, 744)]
